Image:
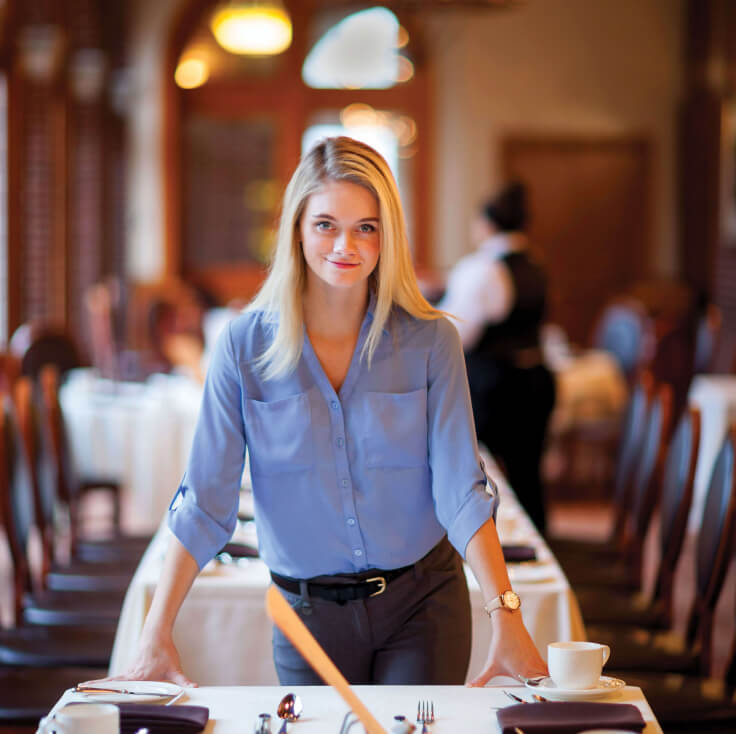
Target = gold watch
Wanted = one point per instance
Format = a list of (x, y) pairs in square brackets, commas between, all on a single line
[(508, 600)]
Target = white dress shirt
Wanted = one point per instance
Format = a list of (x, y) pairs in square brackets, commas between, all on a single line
[(480, 289)]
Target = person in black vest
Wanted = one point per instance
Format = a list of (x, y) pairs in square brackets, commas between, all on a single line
[(498, 293)]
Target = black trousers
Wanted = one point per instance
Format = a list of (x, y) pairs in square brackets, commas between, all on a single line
[(418, 632), (511, 414)]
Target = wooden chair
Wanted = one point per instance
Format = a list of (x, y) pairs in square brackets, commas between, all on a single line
[(688, 702), (31, 645), (624, 569), (37, 344), (628, 452), (609, 607)]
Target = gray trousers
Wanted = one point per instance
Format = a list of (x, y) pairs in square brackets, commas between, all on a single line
[(418, 632)]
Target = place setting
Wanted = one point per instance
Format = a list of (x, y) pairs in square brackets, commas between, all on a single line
[(570, 698)]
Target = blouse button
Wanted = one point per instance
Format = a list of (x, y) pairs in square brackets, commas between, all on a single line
[(351, 522), (334, 404), (358, 552), (340, 442)]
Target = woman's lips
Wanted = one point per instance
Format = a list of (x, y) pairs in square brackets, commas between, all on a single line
[(343, 265)]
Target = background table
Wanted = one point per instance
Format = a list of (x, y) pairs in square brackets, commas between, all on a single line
[(715, 396), (458, 710), (223, 633), (139, 433)]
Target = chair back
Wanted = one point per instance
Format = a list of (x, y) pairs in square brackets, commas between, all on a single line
[(707, 336), (715, 545), (678, 476), (645, 482), (16, 499), (635, 421), (41, 465), (38, 344)]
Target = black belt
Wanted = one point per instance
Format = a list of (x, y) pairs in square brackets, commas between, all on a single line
[(373, 585)]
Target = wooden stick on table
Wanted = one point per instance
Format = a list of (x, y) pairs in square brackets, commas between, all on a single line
[(286, 619)]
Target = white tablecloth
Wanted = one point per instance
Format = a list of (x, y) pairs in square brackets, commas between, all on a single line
[(223, 633), (715, 396), (458, 710), (138, 433)]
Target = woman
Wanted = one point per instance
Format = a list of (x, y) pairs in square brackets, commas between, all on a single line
[(350, 393), (499, 294)]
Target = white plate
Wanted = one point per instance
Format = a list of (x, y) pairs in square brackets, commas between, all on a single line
[(536, 574), (141, 691), (606, 685)]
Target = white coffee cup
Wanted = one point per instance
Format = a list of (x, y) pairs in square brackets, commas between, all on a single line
[(82, 718), (576, 665)]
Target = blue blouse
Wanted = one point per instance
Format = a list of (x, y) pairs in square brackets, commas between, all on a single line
[(370, 477)]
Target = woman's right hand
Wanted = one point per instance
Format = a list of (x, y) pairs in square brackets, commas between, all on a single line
[(157, 659)]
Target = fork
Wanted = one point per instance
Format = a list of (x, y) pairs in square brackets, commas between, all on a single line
[(425, 714)]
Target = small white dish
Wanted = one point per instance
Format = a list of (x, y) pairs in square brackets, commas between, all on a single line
[(538, 573), (606, 686), (132, 691)]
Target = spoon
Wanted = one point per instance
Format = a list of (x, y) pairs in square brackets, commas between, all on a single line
[(535, 681), (290, 709)]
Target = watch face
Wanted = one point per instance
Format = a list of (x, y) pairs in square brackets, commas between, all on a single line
[(511, 599)]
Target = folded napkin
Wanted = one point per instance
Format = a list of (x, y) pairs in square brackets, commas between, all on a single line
[(240, 550), (563, 717), (518, 553), (162, 719)]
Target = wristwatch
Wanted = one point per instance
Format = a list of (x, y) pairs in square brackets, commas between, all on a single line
[(507, 600)]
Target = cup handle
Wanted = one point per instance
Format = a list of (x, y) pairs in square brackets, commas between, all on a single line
[(606, 653), (50, 725)]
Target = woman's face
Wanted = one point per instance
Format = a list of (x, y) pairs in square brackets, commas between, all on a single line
[(339, 234)]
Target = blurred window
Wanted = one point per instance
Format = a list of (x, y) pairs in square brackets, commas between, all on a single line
[(360, 51), (231, 191)]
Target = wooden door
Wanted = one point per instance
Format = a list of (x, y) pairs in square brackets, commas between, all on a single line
[(590, 219)]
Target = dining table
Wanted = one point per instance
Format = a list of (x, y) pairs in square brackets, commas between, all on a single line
[(223, 633), (458, 709)]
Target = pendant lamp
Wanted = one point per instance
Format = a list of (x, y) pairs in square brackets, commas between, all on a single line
[(255, 27)]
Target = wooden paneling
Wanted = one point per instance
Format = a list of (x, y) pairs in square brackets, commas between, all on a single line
[(590, 219)]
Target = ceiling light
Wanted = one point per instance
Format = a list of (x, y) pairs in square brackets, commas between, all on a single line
[(252, 28), (191, 73)]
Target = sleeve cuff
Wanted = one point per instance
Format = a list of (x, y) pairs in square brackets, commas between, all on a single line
[(479, 507), (195, 529)]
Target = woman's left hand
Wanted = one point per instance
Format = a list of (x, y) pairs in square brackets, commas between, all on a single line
[(512, 651)]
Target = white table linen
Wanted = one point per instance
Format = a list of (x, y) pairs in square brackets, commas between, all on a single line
[(715, 396), (223, 633), (459, 710), (138, 433)]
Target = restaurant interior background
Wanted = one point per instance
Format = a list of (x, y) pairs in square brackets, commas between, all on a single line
[(142, 164)]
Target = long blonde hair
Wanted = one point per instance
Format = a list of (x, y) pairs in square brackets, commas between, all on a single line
[(393, 280)]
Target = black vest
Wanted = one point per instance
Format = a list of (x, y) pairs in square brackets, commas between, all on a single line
[(518, 333)]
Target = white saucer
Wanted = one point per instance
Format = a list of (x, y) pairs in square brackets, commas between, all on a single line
[(141, 691), (606, 686)]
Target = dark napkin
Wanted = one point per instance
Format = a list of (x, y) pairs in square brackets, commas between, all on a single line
[(563, 717), (240, 550), (518, 553), (162, 719)]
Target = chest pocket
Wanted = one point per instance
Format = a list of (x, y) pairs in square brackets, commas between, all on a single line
[(395, 429), (279, 435)]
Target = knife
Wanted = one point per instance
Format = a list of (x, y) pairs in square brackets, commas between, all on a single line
[(123, 691)]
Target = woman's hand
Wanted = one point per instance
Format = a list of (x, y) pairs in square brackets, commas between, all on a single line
[(157, 659), (512, 650)]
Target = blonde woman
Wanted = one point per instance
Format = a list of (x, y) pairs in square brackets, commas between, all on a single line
[(349, 391)]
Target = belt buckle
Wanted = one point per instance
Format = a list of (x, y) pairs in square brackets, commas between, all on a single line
[(382, 585)]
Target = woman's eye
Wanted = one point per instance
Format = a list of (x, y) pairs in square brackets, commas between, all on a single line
[(323, 226), (367, 227)]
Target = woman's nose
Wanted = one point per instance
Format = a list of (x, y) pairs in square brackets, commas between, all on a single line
[(344, 243)]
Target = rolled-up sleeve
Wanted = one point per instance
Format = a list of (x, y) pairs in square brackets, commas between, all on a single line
[(463, 498), (203, 512)]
